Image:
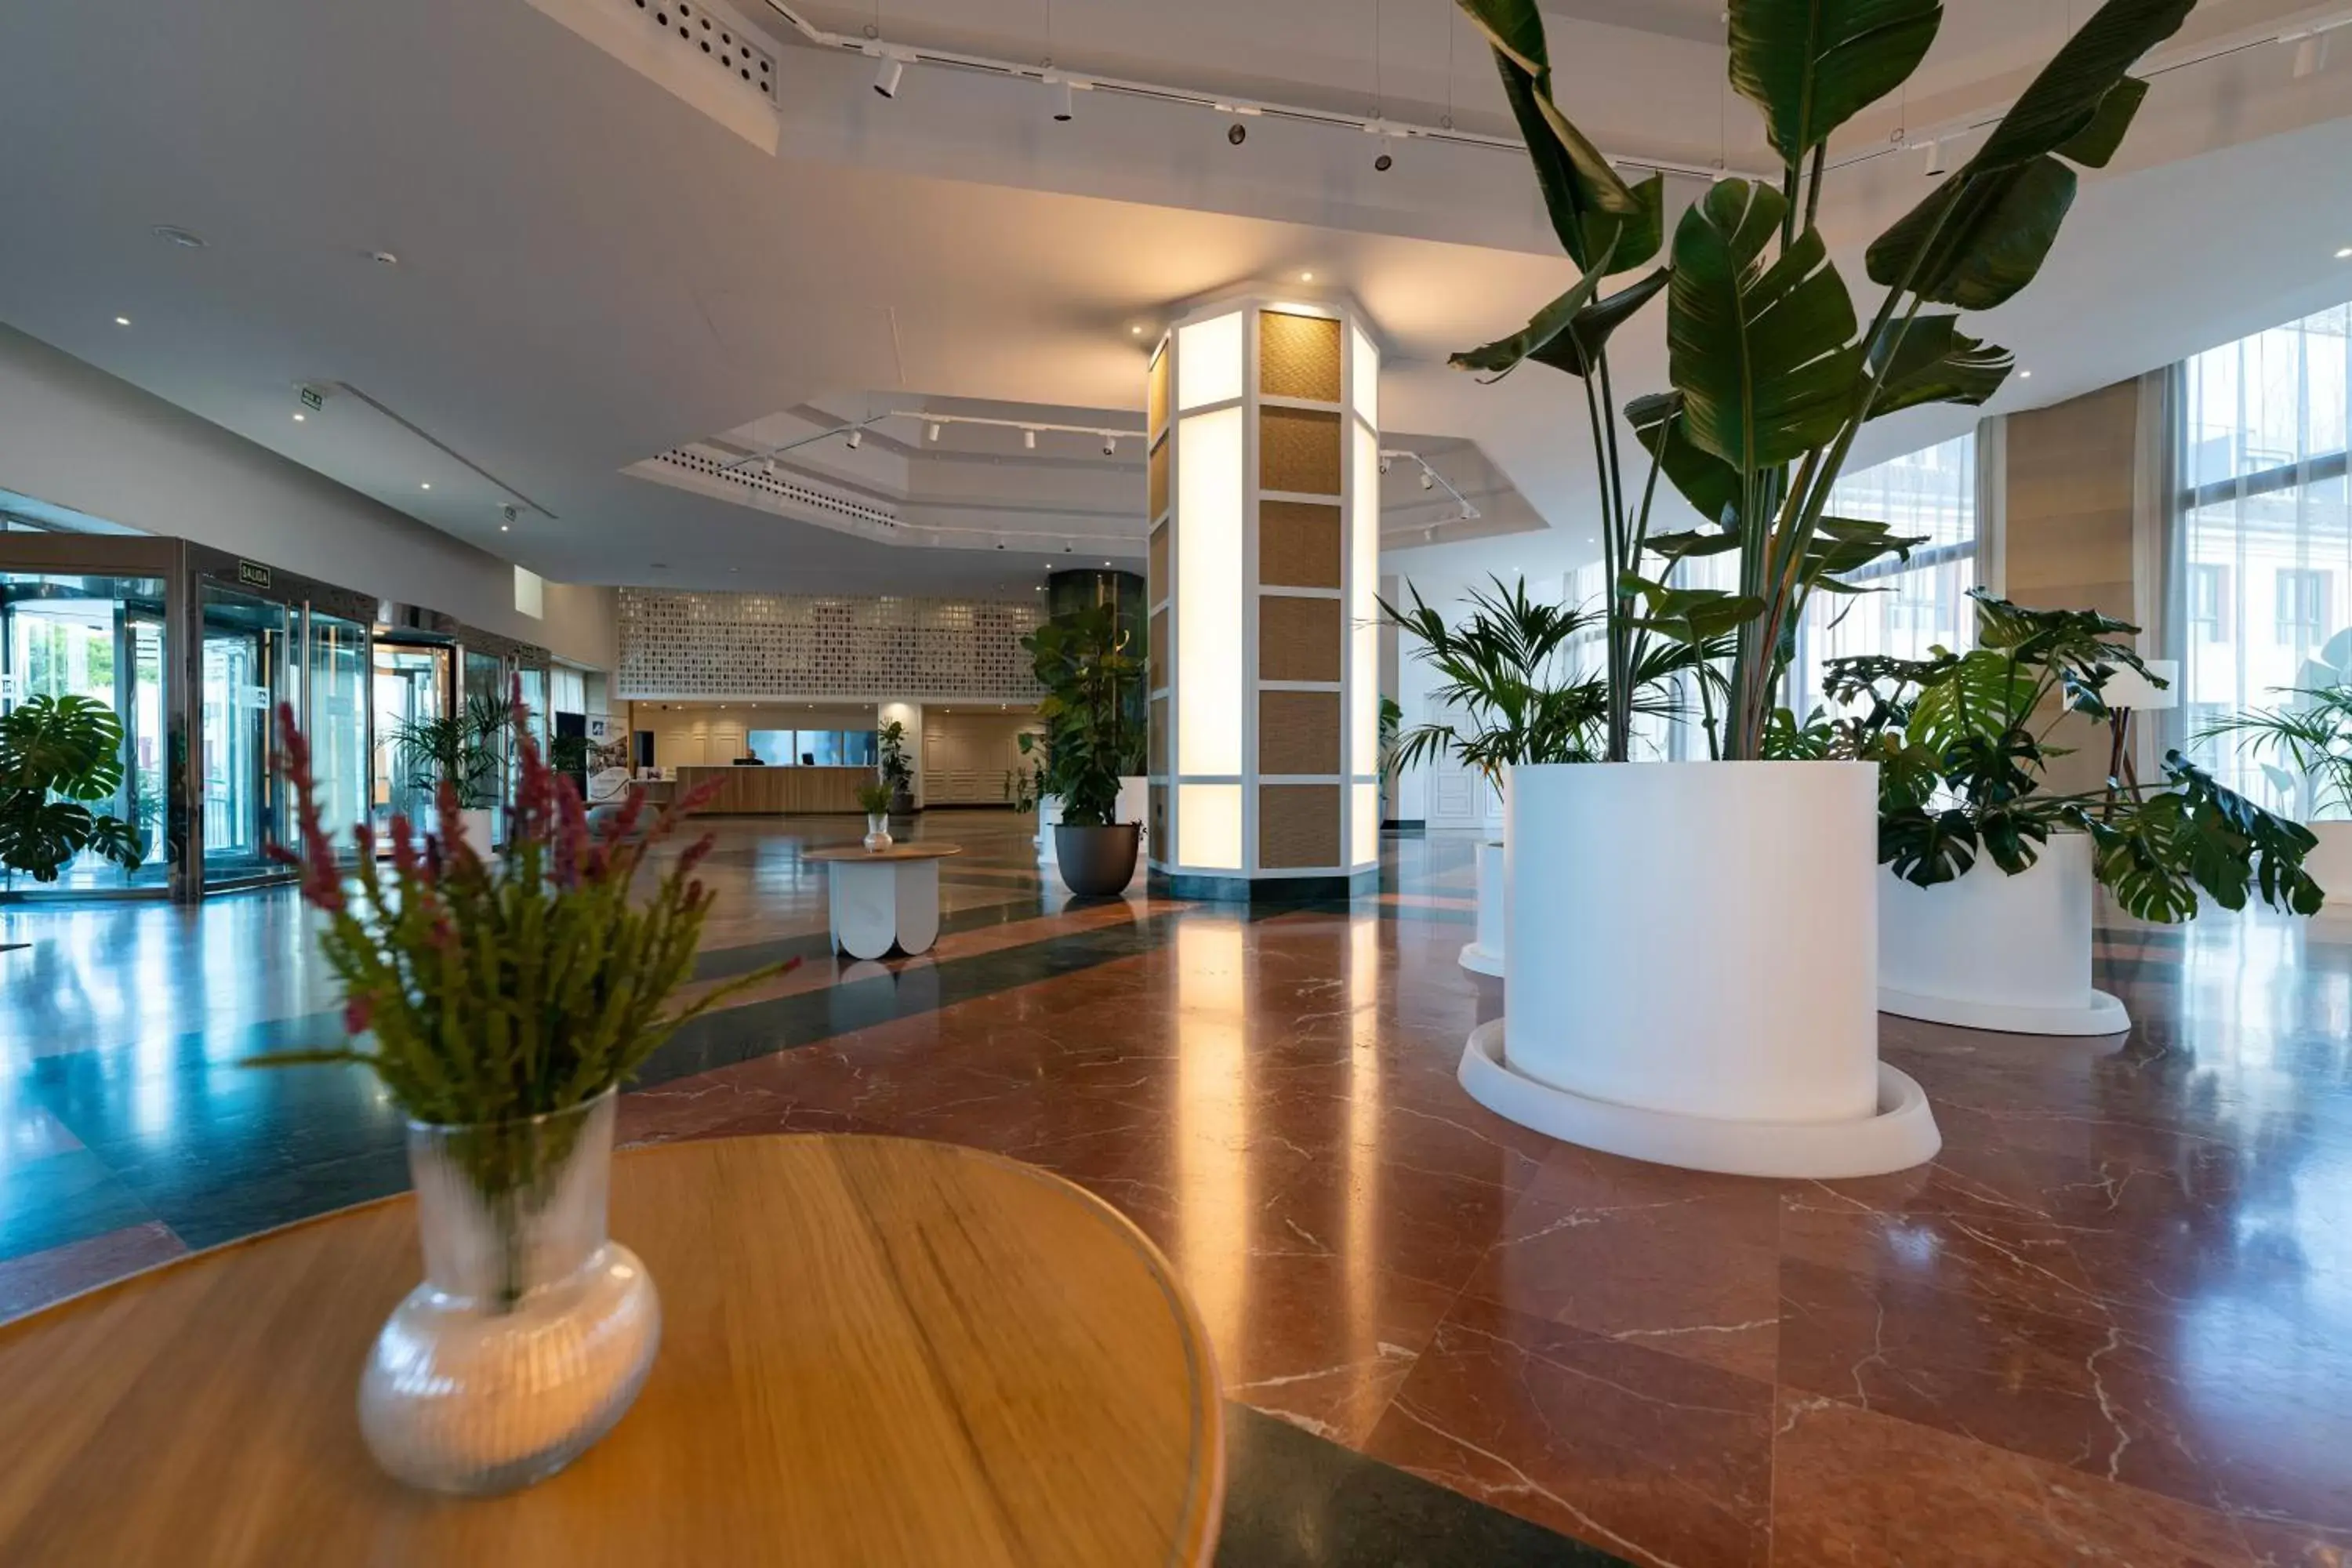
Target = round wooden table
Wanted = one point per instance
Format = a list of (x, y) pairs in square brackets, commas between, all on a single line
[(876, 900), (873, 1350)]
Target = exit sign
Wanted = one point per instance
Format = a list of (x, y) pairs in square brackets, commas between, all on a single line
[(253, 574), (313, 399)]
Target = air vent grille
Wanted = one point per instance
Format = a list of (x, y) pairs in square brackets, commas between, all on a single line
[(783, 489), (694, 27)]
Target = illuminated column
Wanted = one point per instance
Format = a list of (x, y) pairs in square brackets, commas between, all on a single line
[(1264, 681)]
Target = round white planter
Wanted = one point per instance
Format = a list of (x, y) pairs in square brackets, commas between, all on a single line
[(1485, 956), (474, 827), (2330, 864), (1995, 951), (1693, 955)]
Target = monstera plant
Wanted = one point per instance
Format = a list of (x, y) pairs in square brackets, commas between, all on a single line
[(57, 756), (1772, 374), (1962, 741)]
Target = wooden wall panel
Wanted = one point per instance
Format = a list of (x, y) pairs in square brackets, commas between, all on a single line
[(1297, 639), (1158, 499), (1159, 738), (1156, 395), (1156, 659), (1297, 825), (1158, 584), (1297, 544), (1298, 733), (1299, 450), (1298, 356)]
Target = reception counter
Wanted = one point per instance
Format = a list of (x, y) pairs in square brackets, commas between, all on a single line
[(768, 792)]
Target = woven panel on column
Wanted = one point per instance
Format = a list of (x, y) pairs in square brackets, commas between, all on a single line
[(1297, 639), (1298, 732), (1297, 544), (1297, 825), (1158, 499), (1298, 356), (1158, 763), (1155, 398), (1299, 450), (1156, 675)]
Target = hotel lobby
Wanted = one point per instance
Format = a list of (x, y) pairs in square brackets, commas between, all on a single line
[(795, 783)]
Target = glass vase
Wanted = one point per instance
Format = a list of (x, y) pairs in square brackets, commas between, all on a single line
[(532, 1331), (878, 831)]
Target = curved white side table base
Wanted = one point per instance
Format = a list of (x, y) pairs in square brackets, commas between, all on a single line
[(1903, 1133), (882, 904), (2104, 1015), (1479, 959)]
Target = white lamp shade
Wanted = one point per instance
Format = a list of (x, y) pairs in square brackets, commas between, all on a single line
[(2129, 688)]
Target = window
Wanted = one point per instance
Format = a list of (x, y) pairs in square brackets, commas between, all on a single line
[(2208, 604), (2264, 428), (2301, 607), (1910, 608)]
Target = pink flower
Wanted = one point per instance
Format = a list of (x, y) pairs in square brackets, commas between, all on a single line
[(357, 1013)]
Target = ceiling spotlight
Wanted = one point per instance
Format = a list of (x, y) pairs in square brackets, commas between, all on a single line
[(172, 234), (1236, 133), (1428, 481), (1136, 330), (1936, 161), (1029, 440), (1307, 278), (1384, 465), (2025, 375), (931, 431), (299, 416), (1384, 162), (121, 321), (2345, 254), (1110, 446), (887, 75), (504, 527), (1064, 108), (856, 439)]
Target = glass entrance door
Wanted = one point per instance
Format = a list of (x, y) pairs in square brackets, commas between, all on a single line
[(244, 672), (411, 686)]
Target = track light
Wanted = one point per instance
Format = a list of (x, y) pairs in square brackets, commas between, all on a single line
[(1384, 465), (1029, 440), (1064, 100), (1110, 446), (856, 439), (886, 76), (1385, 162), (1935, 151), (1236, 133), (1428, 481), (768, 466), (932, 430)]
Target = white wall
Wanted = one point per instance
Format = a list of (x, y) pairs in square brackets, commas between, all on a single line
[(75, 436)]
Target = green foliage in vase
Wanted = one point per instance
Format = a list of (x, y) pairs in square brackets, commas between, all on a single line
[(1960, 764), (486, 992), (457, 751), (1091, 740), (2307, 746), (57, 756), (1509, 670), (1771, 372), (874, 799)]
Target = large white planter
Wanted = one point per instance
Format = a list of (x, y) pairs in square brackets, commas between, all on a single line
[(1485, 955), (1997, 951), (2330, 864), (1693, 955), (474, 827)]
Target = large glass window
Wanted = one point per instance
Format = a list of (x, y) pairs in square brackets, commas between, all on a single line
[(1911, 607), (2262, 548)]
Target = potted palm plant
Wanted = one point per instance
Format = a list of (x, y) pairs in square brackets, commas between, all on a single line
[(2305, 750), (1962, 741), (1507, 675), (502, 1005), (1091, 746), (59, 756), (1755, 1050), (455, 756)]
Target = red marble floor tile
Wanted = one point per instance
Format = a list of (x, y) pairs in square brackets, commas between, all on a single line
[(1678, 1261), (1855, 1489), (2280, 1546), (2100, 1400), (1660, 1458), (37, 1278)]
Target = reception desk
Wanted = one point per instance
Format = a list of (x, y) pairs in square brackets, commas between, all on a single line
[(768, 792)]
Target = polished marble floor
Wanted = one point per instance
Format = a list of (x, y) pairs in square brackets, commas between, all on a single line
[(2112, 1323)]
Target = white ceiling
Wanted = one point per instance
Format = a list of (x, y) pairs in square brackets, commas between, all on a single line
[(593, 272)]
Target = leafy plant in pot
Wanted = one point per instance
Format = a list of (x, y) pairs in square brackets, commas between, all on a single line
[(457, 757), (1081, 658), (502, 1005), (1507, 672), (59, 756), (1963, 743), (897, 771), (1759, 1053), (2304, 747)]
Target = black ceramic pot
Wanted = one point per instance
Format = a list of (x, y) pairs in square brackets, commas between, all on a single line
[(1098, 862)]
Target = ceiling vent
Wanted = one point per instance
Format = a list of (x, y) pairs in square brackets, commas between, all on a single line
[(792, 494), (699, 52)]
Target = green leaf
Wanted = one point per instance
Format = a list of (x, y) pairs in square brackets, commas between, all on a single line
[(1515, 30), (1812, 65), (1578, 350), (2001, 228), (1711, 485), (1935, 362), (1503, 356), (1578, 182), (1681, 547), (2066, 99), (1627, 240), (2099, 141), (1765, 360)]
